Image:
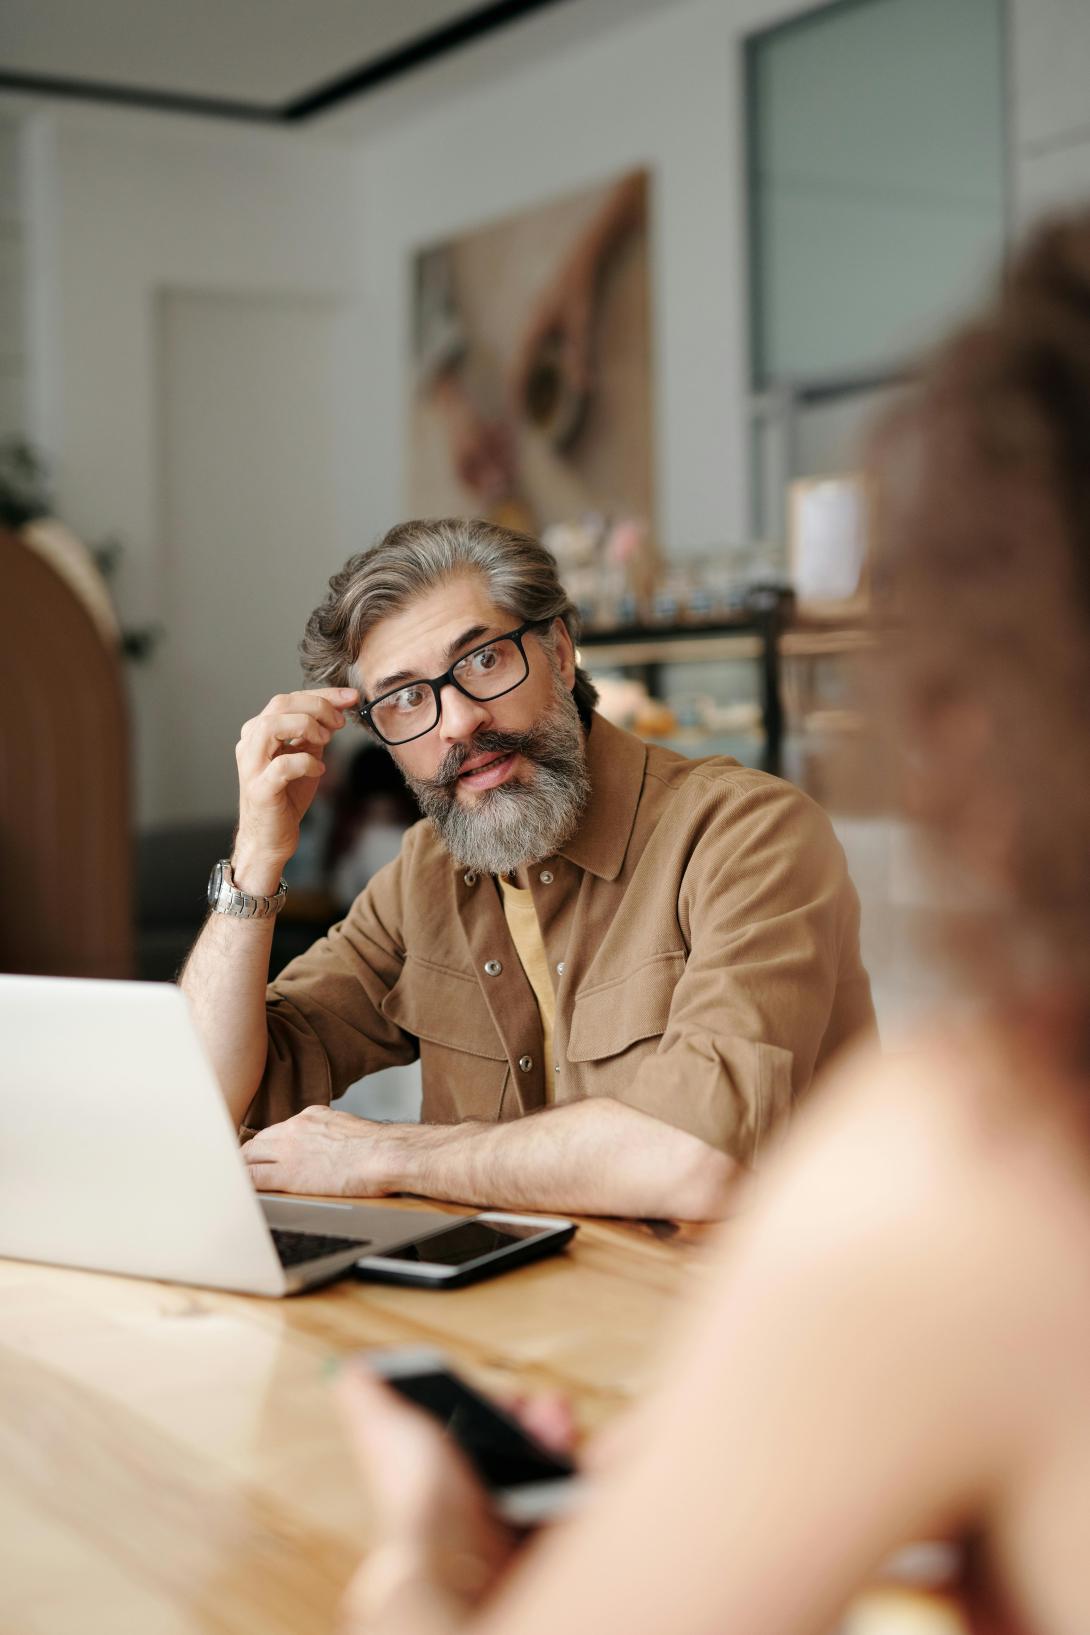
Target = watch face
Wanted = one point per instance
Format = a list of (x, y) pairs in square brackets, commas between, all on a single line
[(214, 883)]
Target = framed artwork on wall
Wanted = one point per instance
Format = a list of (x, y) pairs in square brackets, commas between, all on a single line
[(531, 368)]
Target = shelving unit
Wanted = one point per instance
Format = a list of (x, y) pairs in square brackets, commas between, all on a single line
[(767, 631)]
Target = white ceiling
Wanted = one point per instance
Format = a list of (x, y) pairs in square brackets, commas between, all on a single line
[(267, 52)]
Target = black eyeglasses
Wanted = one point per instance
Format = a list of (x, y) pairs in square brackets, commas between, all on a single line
[(496, 667)]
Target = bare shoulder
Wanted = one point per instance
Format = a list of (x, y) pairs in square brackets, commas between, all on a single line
[(936, 1182), (947, 1124), (905, 1295)]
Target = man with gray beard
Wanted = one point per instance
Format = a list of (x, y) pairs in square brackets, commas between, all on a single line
[(513, 821), (650, 954)]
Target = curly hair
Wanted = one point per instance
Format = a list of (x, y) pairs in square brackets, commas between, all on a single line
[(411, 559), (983, 569)]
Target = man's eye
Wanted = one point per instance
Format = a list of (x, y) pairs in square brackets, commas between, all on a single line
[(484, 659), (409, 698)]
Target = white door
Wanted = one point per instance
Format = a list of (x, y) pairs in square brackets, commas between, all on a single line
[(258, 509)]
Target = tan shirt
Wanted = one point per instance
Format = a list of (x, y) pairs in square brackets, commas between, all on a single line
[(521, 917), (703, 943)]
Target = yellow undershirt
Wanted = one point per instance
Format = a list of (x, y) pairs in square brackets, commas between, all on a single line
[(518, 907)]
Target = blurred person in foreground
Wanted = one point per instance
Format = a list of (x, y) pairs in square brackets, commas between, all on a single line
[(897, 1346), (649, 954)]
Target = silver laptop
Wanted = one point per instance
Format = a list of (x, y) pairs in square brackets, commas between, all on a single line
[(117, 1151)]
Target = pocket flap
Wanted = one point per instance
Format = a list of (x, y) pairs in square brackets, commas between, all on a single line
[(445, 1007), (608, 1018)]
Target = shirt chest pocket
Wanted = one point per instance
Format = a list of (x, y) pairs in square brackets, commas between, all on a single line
[(462, 1062), (611, 1018)]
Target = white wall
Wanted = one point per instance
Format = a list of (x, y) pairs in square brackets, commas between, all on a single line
[(1050, 105)]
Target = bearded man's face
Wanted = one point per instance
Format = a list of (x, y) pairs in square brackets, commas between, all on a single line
[(503, 780)]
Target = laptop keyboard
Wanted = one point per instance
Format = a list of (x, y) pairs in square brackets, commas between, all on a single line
[(296, 1247)]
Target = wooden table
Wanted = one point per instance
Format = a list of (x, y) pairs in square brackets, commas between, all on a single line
[(171, 1460)]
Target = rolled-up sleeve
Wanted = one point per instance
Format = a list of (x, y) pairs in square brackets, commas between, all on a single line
[(773, 979), (324, 1012)]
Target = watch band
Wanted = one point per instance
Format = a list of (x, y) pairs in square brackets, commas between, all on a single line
[(224, 897)]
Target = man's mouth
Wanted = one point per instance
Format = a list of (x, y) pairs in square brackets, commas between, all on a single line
[(489, 771)]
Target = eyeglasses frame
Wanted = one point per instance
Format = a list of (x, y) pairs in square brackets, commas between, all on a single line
[(448, 679)]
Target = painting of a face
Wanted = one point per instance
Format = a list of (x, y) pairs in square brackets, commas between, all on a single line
[(531, 400)]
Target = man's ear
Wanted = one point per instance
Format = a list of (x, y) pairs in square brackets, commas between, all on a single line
[(564, 648)]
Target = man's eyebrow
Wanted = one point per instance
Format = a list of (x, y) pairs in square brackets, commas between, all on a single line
[(474, 633)]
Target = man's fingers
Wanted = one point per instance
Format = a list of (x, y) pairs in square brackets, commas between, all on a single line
[(268, 1177), (263, 737), (338, 698), (257, 755), (266, 1166), (259, 1150), (279, 756), (326, 705), (287, 768), (326, 720), (294, 728)]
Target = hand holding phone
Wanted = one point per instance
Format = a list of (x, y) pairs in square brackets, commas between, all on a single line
[(527, 1482)]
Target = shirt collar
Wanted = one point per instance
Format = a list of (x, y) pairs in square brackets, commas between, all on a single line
[(615, 764)]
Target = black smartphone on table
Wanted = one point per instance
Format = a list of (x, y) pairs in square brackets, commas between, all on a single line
[(468, 1249), (527, 1482)]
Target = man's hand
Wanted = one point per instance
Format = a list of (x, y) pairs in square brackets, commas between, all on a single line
[(561, 1159), (439, 1548), (320, 1150), (280, 763)]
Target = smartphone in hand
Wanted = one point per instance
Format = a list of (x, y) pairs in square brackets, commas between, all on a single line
[(527, 1482)]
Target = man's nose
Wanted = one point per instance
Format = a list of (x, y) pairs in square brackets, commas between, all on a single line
[(460, 716)]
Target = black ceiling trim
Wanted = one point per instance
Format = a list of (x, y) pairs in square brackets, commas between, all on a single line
[(368, 76), (136, 96), (426, 48)]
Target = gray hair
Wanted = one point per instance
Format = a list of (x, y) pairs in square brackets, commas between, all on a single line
[(521, 576)]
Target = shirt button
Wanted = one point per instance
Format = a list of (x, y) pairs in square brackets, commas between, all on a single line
[(556, 1067), (545, 877), (560, 969), (492, 967), (470, 878), (526, 1062)]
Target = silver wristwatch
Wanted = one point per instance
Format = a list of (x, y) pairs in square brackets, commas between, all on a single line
[(224, 897)]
